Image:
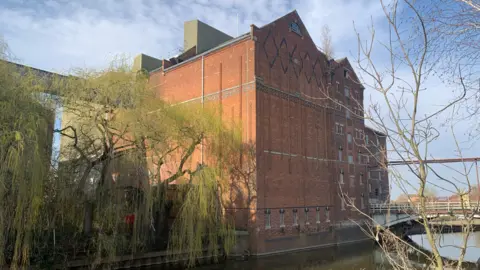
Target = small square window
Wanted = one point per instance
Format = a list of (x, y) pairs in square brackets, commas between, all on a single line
[(338, 128)]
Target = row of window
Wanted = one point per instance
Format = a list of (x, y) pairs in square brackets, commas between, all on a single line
[(295, 216), (352, 201), (352, 178), (363, 159)]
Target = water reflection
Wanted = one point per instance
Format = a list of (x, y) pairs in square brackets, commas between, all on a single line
[(353, 257), (449, 243)]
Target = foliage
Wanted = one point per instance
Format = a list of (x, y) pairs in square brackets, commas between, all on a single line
[(123, 151)]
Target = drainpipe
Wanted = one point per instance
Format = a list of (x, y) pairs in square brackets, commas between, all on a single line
[(203, 104)]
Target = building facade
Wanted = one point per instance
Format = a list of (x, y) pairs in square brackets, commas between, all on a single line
[(377, 175), (302, 114)]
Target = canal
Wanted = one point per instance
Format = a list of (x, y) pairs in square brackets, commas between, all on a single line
[(448, 245), (352, 257)]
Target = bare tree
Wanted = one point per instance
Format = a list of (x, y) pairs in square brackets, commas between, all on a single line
[(401, 91), (326, 42)]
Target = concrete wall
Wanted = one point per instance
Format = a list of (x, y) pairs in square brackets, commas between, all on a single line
[(145, 62), (80, 118), (205, 37)]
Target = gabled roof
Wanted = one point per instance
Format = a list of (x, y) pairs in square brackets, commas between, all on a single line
[(376, 131), (346, 64), (305, 33)]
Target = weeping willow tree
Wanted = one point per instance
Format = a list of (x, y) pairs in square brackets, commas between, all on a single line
[(25, 147), (126, 158)]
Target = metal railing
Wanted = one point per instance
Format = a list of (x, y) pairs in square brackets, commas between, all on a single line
[(430, 206)]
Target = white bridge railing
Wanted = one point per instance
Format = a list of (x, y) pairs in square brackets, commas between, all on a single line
[(430, 206)]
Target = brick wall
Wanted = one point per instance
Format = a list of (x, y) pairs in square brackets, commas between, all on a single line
[(379, 189), (297, 158), (228, 81), (277, 84)]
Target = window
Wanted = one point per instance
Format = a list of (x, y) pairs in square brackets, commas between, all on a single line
[(332, 76), (340, 153), (376, 192), (267, 219), (352, 180), (327, 214), (369, 175), (350, 159), (349, 138), (347, 113), (318, 215), (370, 188), (295, 217), (338, 105), (340, 180), (353, 201), (282, 218), (339, 128), (295, 28), (306, 216), (343, 204), (361, 202), (345, 73), (347, 92), (361, 178)]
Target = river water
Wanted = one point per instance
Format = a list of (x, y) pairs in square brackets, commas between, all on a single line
[(363, 256), (448, 245), (352, 257)]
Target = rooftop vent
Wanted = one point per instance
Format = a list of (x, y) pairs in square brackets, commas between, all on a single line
[(202, 36)]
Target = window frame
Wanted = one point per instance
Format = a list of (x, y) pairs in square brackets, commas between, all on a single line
[(268, 219)]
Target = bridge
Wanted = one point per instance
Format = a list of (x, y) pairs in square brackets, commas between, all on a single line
[(387, 215)]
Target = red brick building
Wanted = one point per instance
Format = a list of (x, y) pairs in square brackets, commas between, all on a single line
[(377, 175), (301, 111)]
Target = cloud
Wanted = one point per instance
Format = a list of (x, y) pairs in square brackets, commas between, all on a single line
[(57, 35)]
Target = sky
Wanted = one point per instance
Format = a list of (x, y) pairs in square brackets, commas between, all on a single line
[(58, 35)]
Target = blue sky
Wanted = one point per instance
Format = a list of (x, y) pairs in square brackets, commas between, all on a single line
[(57, 35)]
